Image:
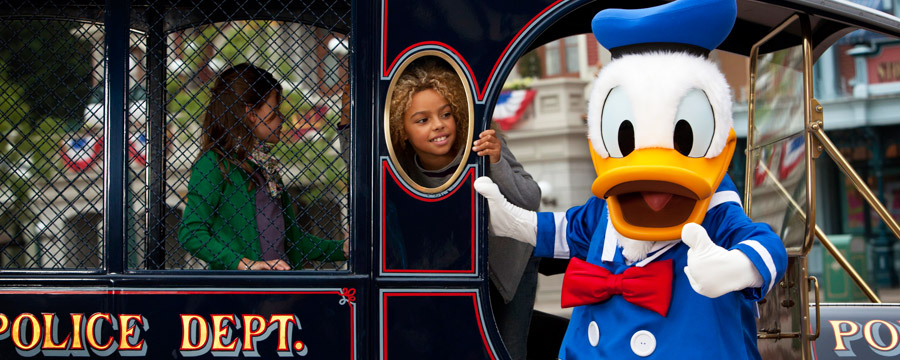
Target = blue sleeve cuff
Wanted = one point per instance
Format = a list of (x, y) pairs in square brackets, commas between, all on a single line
[(766, 269), (546, 234)]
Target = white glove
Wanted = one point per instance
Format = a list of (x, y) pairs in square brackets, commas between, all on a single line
[(712, 270), (507, 220)]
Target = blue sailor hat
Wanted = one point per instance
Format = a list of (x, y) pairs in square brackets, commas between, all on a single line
[(693, 26)]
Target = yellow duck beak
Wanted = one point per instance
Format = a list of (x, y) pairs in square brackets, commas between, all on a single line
[(652, 193)]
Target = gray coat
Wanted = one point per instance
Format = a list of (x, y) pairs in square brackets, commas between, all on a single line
[(506, 257)]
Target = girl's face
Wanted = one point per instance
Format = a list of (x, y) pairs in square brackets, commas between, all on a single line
[(266, 119), (430, 128)]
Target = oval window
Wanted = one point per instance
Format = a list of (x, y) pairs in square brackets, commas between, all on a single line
[(428, 121)]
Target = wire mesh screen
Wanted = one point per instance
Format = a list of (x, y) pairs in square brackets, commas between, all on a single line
[(205, 193), (51, 163), (281, 209)]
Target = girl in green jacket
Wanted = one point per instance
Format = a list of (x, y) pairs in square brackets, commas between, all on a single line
[(238, 216)]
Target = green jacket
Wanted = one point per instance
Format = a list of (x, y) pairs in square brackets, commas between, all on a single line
[(219, 222)]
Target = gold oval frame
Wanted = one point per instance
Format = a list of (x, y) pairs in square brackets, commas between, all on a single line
[(387, 121)]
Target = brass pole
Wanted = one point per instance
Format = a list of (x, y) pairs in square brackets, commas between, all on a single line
[(808, 142), (748, 150), (835, 253), (847, 267), (818, 308), (857, 181), (751, 107)]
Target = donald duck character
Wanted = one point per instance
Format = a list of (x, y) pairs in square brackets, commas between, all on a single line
[(645, 279)]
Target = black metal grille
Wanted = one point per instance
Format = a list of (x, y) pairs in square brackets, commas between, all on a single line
[(51, 208), (50, 167)]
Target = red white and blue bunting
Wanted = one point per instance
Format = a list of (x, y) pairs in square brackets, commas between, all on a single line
[(81, 151), (793, 154), (510, 107), (137, 148)]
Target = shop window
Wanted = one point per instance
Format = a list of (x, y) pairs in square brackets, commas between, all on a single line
[(560, 57)]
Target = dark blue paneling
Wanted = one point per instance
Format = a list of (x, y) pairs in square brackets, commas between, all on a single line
[(322, 321), (479, 31), (433, 326), (865, 331), (16, 304), (117, 47), (429, 234)]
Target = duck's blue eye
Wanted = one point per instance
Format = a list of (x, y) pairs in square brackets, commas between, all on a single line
[(695, 125), (616, 124)]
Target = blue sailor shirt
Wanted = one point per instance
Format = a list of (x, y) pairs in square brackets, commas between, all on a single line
[(696, 327)]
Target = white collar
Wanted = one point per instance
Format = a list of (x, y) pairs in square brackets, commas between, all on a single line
[(611, 242)]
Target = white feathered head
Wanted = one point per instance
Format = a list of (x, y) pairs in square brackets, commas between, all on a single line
[(659, 119)]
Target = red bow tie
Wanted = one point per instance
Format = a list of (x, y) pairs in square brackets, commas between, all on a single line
[(649, 287)]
